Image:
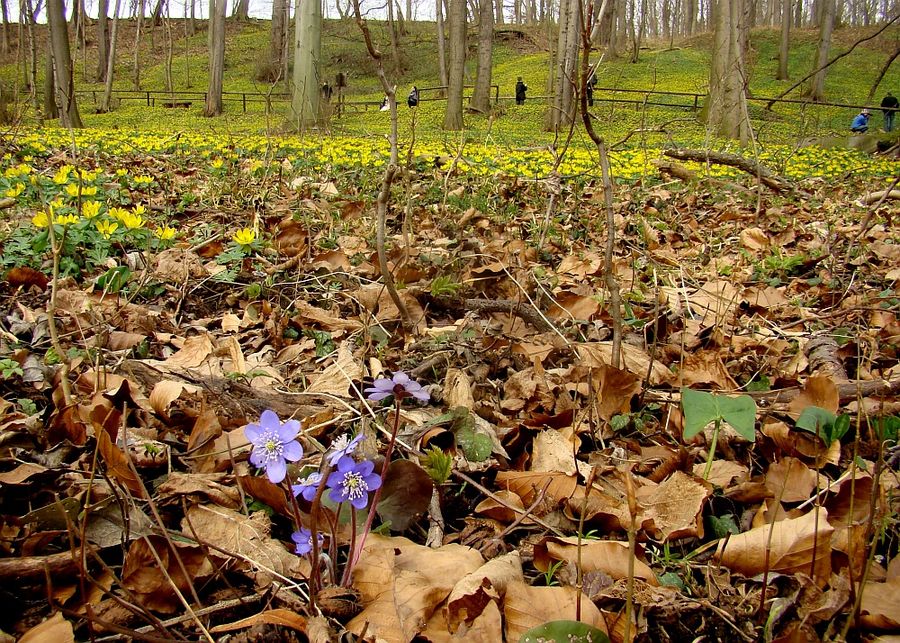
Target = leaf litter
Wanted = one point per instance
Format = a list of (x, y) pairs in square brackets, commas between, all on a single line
[(137, 473)]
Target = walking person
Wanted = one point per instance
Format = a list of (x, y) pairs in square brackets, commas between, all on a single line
[(889, 105), (413, 99), (521, 88), (860, 124), (589, 90)]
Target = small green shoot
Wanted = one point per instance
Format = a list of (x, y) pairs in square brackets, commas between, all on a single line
[(9, 368), (701, 408), (824, 423), (438, 465)]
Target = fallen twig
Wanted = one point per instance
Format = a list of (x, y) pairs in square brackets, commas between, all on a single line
[(765, 175)]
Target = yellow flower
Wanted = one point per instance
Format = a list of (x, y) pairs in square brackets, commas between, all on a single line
[(15, 190), (66, 219), (143, 180), (62, 176), (121, 172), (118, 213), (57, 203), (88, 190), (244, 237), (90, 209), (72, 189), (164, 233), (217, 163), (40, 220), (106, 228), (139, 210), (132, 221)]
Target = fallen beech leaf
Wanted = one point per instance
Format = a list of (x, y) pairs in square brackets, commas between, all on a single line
[(283, 617), (608, 556), (818, 391), (21, 473), (498, 511), (406, 494), (790, 544), (476, 590), (142, 576), (527, 484), (526, 607), (554, 450), (117, 464), (167, 391), (336, 378), (192, 354), (218, 488), (674, 508), (790, 480), (403, 583), (880, 606), (458, 389), (614, 390), (55, 628), (635, 360)]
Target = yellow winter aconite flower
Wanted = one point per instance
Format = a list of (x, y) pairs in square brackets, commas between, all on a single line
[(106, 228), (216, 164), (132, 221), (90, 209), (121, 172), (62, 176), (72, 189), (143, 179), (40, 220), (15, 190), (57, 203), (66, 219), (118, 213), (244, 237), (164, 233), (139, 210)]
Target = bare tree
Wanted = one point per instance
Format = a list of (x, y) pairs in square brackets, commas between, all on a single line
[(481, 96), (241, 11), (784, 48), (216, 57), (4, 37), (816, 90), (136, 68), (453, 115), (274, 67), (441, 42), (395, 37), (307, 52), (726, 104), (63, 72), (102, 40), (111, 63)]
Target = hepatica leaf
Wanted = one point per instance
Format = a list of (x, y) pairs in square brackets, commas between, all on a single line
[(702, 408)]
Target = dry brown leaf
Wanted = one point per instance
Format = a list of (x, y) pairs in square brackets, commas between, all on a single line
[(554, 450), (818, 391), (674, 508), (572, 305), (723, 473), (244, 536), (403, 583), (608, 556), (309, 313), (336, 378), (791, 545), (218, 488), (527, 484), (193, 352), (880, 606), (118, 340), (167, 391), (283, 617), (458, 389), (21, 473), (705, 367), (754, 239), (142, 576), (55, 629), (635, 360), (715, 302), (614, 389), (526, 607), (476, 590), (499, 511), (790, 480), (117, 464)]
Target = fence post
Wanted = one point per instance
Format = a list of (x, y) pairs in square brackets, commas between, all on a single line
[(244, 97), (148, 99)]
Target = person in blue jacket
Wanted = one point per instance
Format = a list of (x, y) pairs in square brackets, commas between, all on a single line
[(860, 123)]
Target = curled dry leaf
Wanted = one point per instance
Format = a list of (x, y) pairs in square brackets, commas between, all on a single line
[(635, 360), (55, 628), (336, 378), (487, 583), (559, 486), (500, 511), (790, 480), (526, 607), (167, 391), (791, 545), (674, 508), (608, 556), (818, 391), (217, 488), (880, 607), (283, 617), (141, 573)]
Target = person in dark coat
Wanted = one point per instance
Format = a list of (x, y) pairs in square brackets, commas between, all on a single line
[(521, 88), (889, 105), (413, 99), (589, 90), (860, 124)]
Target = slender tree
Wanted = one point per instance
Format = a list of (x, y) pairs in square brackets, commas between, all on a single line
[(307, 52), (241, 11), (441, 43), (453, 115), (136, 68), (216, 57), (784, 48), (63, 72), (481, 96), (111, 63), (726, 104), (274, 67), (5, 37), (816, 91), (102, 40)]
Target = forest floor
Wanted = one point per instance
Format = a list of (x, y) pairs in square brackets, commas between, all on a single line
[(733, 474)]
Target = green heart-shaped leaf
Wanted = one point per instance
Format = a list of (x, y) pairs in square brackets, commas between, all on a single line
[(740, 413)]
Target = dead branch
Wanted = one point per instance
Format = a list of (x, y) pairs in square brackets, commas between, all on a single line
[(526, 312), (876, 197), (765, 175), (31, 568)]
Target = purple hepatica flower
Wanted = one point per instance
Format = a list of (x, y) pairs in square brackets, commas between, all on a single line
[(353, 481), (307, 487), (343, 446), (400, 386), (303, 539), (274, 443)]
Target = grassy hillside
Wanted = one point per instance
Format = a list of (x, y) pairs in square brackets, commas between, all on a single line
[(682, 68)]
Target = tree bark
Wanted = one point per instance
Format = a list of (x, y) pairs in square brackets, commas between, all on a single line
[(241, 11), (307, 51), (784, 49), (816, 92), (395, 38), (102, 40), (51, 110), (441, 43), (4, 37), (216, 57), (481, 96), (136, 68), (726, 104), (62, 65), (453, 116), (498, 12), (272, 68), (111, 63), (881, 73)]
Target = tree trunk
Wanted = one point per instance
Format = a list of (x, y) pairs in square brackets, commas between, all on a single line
[(62, 65), (192, 21), (881, 73), (784, 49), (551, 119), (441, 43), (726, 105), (170, 54), (136, 68), (102, 40), (395, 39), (816, 90), (5, 37), (498, 12), (111, 63), (241, 11), (453, 116), (568, 67), (272, 69), (307, 52), (690, 17), (26, 10), (51, 110), (481, 96), (156, 18), (216, 42)]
